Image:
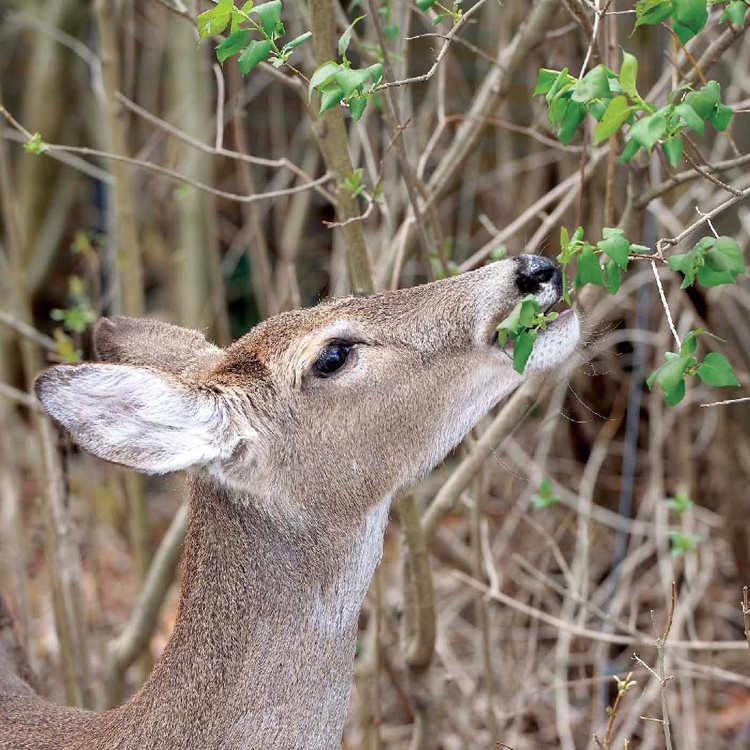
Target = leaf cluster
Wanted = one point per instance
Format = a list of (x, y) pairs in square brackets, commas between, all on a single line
[(591, 268), (544, 497), (339, 82), (79, 314), (522, 327), (714, 370), (454, 12), (254, 31), (712, 261), (681, 543), (613, 100)]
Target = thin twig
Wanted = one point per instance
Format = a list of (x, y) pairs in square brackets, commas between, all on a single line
[(727, 402), (166, 171), (24, 329), (664, 304), (687, 176), (705, 218), (441, 54), (23, 398)]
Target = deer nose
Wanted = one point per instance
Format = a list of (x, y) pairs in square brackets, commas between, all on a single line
[(534, 271)]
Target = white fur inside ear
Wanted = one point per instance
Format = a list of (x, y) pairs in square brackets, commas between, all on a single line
[(136, 416)]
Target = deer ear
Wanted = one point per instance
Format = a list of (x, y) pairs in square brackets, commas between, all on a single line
[(152, 343), (136, 416)]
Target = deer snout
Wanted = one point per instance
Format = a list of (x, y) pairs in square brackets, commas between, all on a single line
[(535, 274)]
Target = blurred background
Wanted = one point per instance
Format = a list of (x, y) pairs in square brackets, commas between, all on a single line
[(163, 184)]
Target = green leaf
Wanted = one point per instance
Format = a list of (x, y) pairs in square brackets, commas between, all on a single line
[(330, 97), (673, 151), (294, 43), (674, 396), (725, 255), (682, 544), (594, 85), (575, 114), (679, 503), (357, 106), (588, 270), (322, 76), (690, 117), (65, 348), (233, 44), (35, 145), (648, 130), (544, 497), (391, 31), (671, 372), (616, 113), (615, 245), (651, 12), (560, 85), (346, 37), (705, 99), (720, 117), (375, 71), (716, 371), (629, 74), (612, 276), (522, 347), (735, 12), (214, 20), (545, 80), (425, 5), (350, 79), (253, 55), (688, 265), (269, 15), (690, 17), (630, 150), (722, 261)]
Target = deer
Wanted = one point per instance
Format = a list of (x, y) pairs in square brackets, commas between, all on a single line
[(294, 441)]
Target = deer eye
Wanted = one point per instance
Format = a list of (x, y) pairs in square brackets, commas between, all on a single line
[(332, 358)]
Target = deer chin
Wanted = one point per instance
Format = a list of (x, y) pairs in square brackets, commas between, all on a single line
[(557, 344)]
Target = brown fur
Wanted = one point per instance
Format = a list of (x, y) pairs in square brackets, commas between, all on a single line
[(289, 503)]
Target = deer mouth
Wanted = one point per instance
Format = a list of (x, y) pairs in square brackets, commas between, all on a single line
[(555, 344)]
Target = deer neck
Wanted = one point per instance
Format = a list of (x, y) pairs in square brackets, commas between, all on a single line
[(263, 648)]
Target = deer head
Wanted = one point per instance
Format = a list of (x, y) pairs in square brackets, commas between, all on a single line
[(299, 434), (334, 407)]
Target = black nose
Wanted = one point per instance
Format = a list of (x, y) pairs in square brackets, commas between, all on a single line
[(534, 271)]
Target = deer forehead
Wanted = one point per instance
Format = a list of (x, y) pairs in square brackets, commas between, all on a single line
[(424, 316)]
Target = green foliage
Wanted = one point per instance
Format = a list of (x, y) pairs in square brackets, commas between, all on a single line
[(65, 348), (688, 16), (336, 82), (254, 31), (679, 503), (682, 544), (613, 100), (522, 327), (591, 267), (544, 497), (79, 314), (352, 183), (714, 370), (711, 262), (735, 12), (35, 145), (455, 12)]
